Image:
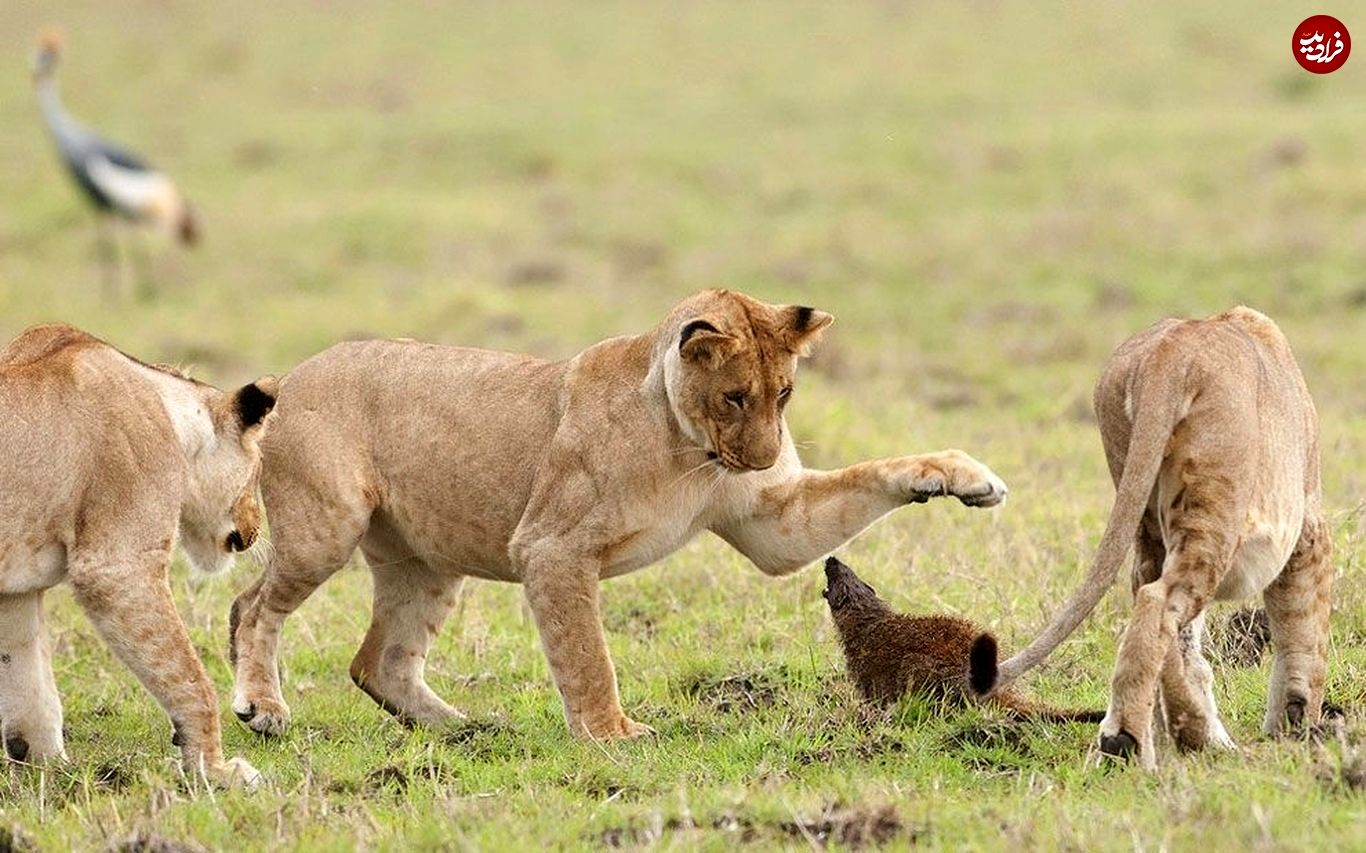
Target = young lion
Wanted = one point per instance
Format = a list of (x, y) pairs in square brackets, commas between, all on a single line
[(1212, 441), (105, 460), (442, 463)]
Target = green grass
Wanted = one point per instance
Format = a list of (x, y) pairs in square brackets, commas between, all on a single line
[(989, 197)]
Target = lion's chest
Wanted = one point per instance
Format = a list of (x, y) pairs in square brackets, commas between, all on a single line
[(25, 568), (645, 545)]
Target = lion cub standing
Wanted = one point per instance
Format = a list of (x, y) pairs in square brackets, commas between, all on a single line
[(103, 459), (1212, 440), (442, 463)]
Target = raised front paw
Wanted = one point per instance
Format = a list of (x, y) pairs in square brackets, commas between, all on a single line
[(955, 473)]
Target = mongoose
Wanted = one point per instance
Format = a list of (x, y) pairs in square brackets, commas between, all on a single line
[(890, 653)]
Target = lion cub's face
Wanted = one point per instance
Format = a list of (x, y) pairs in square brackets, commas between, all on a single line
[(737, 363), (220, 514)]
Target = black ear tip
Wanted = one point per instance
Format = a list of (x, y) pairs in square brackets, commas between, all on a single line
[(982, 664), (254, 403), (693, 328)]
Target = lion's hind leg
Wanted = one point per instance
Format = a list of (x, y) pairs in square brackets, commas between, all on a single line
[(1161, 609), (310, 544), (30, 708), (1188, 692), (411, 602), (1298, 604)]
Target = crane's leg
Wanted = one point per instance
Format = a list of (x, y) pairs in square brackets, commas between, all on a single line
[(106, 246), (144, 282)]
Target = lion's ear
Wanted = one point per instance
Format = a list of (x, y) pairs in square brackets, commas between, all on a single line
[(255, 400), (701, 343), (800, 327)]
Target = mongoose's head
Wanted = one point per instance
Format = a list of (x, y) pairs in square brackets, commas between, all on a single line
[(847, 594)]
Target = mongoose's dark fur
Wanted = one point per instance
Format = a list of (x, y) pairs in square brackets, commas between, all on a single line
[(890, 653)]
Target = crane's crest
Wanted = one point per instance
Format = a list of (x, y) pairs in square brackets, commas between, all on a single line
[(52, 39)]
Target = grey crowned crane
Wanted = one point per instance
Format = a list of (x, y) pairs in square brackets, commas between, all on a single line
[(116, 182)]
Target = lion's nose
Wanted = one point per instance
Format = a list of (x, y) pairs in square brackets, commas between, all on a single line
[(235, 542)]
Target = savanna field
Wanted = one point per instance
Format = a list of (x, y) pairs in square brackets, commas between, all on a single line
[(989, 197)]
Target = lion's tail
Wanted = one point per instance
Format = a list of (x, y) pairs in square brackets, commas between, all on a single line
[(1157, 402)]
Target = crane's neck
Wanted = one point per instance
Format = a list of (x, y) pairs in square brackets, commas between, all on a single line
[(50, 102)]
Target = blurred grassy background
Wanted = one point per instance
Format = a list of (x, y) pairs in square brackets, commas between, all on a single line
[(988, 196)]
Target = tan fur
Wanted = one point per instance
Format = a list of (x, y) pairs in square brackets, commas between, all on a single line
[(442, 463), (106, 460), (1212, 440)]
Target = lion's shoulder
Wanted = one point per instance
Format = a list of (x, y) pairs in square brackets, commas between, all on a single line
[(51, 344)]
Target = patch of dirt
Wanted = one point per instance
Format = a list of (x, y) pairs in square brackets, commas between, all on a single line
[(741, 827), (864, 750), (1285, 152), (639, 836), (390, 779), (851, 827), (631, 258), (740, 692), (1242, 638), (533, 271), (952, 398), (150, 842)]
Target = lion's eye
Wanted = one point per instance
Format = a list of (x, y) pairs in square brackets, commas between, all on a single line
[(736, 399), (784, 394)]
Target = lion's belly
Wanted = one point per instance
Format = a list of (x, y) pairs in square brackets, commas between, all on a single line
[(25, 569), (451, 541), (1272, 517), (1260, 556)]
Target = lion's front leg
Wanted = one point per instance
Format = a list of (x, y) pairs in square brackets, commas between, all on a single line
[(799, 521), (30, 709), (562, 592), (129, 601)]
